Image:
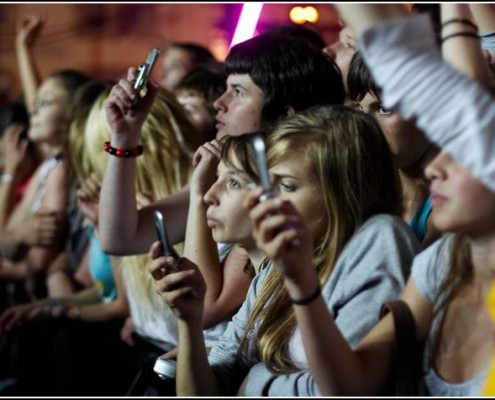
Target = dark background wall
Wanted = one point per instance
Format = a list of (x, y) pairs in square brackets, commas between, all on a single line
[(105, 39)]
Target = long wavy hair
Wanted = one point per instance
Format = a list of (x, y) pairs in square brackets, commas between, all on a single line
[(347, 151)]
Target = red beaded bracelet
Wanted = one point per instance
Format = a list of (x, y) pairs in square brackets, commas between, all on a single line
[(135, 152)]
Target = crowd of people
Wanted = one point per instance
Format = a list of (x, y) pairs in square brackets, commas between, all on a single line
[(379, 153)]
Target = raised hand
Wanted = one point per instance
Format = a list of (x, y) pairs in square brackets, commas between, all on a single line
[(205, 160), (15, 146), (43, 228), (29, 28), (281, 233), (348, 38), (126, 112), (179, 283)]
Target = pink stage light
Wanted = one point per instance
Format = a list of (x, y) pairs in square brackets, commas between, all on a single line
[(246, 25)]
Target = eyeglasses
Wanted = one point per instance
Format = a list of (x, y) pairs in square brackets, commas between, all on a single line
[(39, 103)]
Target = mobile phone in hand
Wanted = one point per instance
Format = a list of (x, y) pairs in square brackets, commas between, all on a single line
[(161, 230), (144, 71), (258, 143)]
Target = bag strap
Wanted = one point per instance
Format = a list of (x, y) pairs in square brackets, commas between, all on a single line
[(407, 352)]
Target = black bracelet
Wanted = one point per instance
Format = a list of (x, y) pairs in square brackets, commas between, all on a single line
[(464, 34), (460, 21), (309, 299)]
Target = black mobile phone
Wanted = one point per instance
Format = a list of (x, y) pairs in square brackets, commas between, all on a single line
[(144, 70), (161, 230), (258, 144)]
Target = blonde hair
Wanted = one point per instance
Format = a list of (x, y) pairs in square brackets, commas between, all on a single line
[(168, 140), (84, 100), (347, 151)]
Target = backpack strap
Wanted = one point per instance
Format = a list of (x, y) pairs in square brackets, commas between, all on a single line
[(407, 352)]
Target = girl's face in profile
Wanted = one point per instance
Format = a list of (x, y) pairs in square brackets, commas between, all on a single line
[(226, 215), (293, 180), (49, 120), (460, 202)]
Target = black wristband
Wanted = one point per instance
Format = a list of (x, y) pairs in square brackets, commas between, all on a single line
[(308, 299), (463, 34), (460, 21)]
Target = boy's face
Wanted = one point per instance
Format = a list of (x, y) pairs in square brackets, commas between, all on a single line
[(239, 108), (196, 109)]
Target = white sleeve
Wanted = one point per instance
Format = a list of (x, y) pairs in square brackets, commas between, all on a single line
[(454, 111)]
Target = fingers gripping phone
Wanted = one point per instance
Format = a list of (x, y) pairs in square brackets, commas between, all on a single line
[(144, 71), (161, 230), (258, 144)]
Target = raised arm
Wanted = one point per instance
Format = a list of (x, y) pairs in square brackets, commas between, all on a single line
[(453, 111), (464, 53), (363, 16), (226, 286), (124, 230), (484, 15), (28, 31), (336, 369)]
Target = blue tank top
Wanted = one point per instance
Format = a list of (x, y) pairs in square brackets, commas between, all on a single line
[(420, 219), (100, 268)]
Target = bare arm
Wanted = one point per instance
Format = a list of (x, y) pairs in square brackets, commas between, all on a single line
[(55, 200), (14, 152), (27, 34), (194, 374), (226, 285), (124, 230), (98, 311), (484, 15), (464, 53), (19, 228), (365, 15), (335, 367), (184, 292)]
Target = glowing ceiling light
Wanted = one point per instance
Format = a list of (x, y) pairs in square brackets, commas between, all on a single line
[(300, 15), (311, 14), (297, 15), (248, 20)]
